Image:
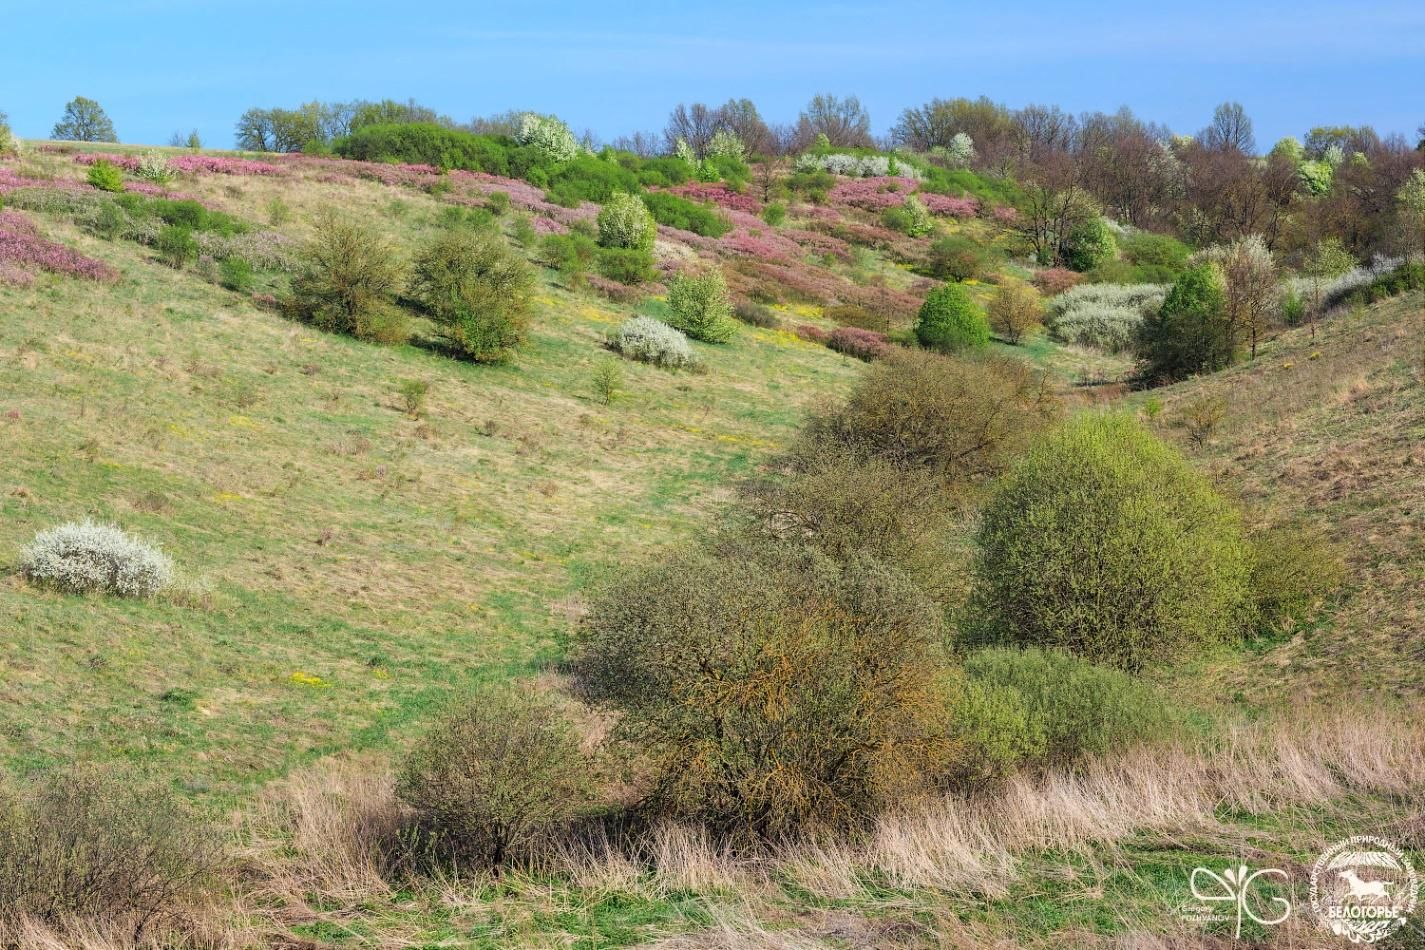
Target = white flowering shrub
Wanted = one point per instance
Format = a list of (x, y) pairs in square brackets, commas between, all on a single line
[(624, 221), (958, 154), (726, 144), (1323, 293), (685, 151), (1105, 316), (652, 341), (154, 167), (84, 557), (548, 134), (857, 166), (918, 219)]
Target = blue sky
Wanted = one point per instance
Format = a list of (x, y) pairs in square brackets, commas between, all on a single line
[(158, 66)]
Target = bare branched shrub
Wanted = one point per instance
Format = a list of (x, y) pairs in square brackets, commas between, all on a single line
[(779, 691), (94, 848), (496, 773)]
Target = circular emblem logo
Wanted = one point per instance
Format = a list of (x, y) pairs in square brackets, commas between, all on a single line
[(1363, 888)]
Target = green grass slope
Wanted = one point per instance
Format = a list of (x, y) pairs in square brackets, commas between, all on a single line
[(347, 565), (1327, 428)]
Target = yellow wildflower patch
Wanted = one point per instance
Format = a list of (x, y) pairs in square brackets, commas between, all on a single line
[(307, 679)]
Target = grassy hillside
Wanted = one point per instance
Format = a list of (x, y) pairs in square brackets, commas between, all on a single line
[(1327, 428), (347, 565), (350, 561)]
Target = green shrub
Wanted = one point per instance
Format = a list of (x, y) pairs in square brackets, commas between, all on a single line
[(176, 246), (955, 258), (814, 185), (497, 202), (1102, 541), (951, 320), (627, 265), (1089, 244), (428, 144), (572, 254), (911, 218), (776, 690), (700, 306), (495, 774), (108, 221), (236, 274), (756, 315), (1040, 708), (1188, 333), (1293, 308), (625, 222), (106, 176), (902, 412), (775, 213), (477, 290), (347, 278), (1293, 571), (686, 215), (96, 848), (1161, 258)]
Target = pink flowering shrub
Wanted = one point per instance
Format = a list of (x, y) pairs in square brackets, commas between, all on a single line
[(1053, 281), (187, 164), (22, 246), (10, 181), (812, 334), (764, 244), (719, 194), (15, 276), (865, 345), (872, 194), (949, 206), (818, 243), (1004, 214)]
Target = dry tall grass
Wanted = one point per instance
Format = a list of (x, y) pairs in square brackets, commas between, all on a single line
[(341, 823)]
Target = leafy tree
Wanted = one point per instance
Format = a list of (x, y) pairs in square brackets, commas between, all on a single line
[(1103, 542), (1188, 334), (1089, 244), (7, 138), (951, 320), (84, 121)]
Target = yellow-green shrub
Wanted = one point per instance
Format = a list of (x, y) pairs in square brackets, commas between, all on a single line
[(1104, 542)]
